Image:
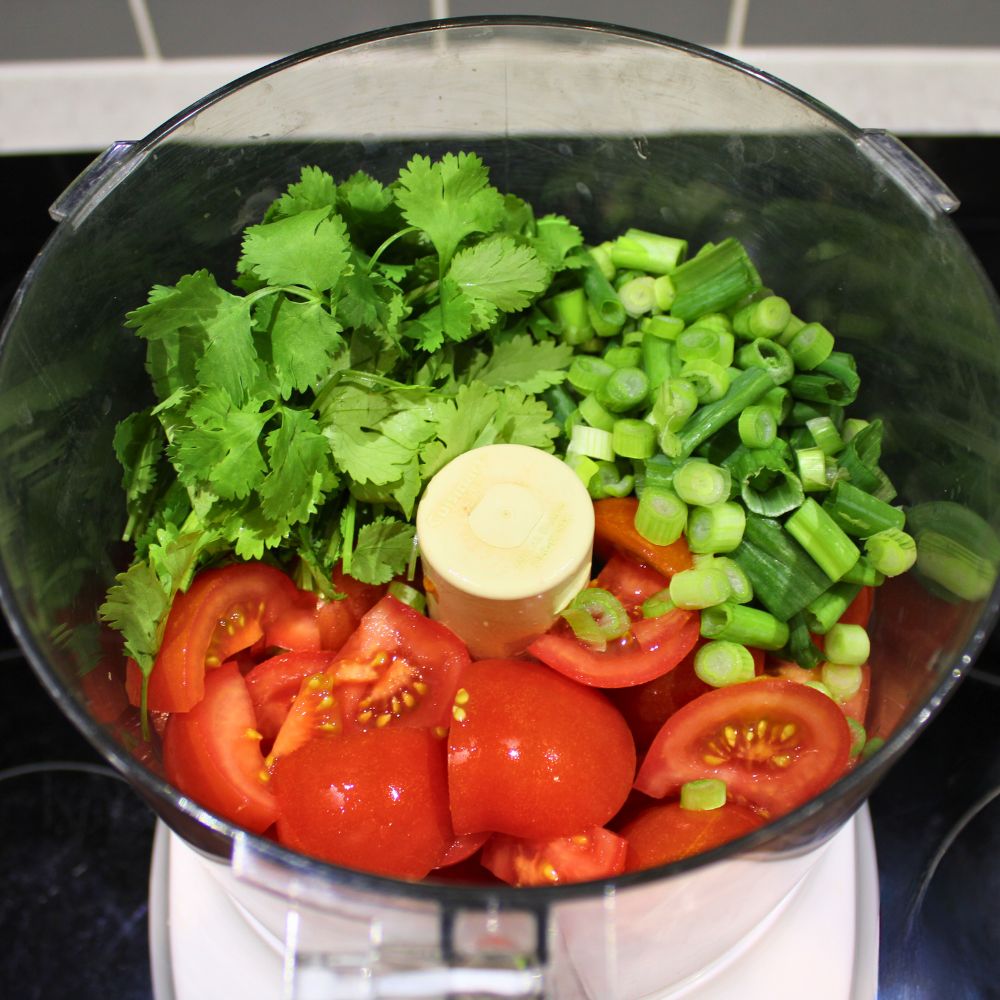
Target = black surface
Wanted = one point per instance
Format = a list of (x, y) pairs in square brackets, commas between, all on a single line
[(75, 842)]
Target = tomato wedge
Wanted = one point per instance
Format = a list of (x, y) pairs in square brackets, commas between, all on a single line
[(614, 531), (653, 647), (775, 743), (274, 684), (212, 753), (665, 833), (631, 582), (855, 707), (594, 854), (223, 611)]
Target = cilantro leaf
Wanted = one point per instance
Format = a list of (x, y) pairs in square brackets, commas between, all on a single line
[(554, 241), (138, 444), (382, 550), (461, 421), (301, 470), (499, 271), (522, 419), (532, 367), (136, 604), (304, 339), (449, 200), (314, 189), (309, 249)]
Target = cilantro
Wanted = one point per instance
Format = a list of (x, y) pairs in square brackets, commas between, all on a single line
[(315, 189), (382, 550), (532, 367), (499, 272)]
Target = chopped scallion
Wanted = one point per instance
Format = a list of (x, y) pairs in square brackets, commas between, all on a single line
[(847, 643), (720, 663), (703, 794), (661, 515), (718, 528)]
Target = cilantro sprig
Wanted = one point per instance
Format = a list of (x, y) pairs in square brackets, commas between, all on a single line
[(371, 334)]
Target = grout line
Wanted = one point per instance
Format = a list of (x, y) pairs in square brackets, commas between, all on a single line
[(144, 29), (440, 9), (736, 26)]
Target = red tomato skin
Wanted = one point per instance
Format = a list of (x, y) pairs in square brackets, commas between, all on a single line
[(817, 750), (596, 853), (859, 611), (664, 833), (212, 753), (297, 629), (631, 582), (103, 689), (375, 801), (856, 707), (224, 611), (462, 848), (534, 754), (336, 624), (614, 531), (274, 684), (359, 598), (654, 647)]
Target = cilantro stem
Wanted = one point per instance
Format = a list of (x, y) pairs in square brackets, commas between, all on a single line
[(388, 243), (420, 291), (347, 530)]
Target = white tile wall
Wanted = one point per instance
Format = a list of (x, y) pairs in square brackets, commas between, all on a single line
[(63, 103)]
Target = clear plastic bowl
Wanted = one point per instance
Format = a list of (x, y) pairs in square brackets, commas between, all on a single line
[(611, 127)]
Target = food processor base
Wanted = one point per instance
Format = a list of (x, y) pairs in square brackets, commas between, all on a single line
[(823, 943)]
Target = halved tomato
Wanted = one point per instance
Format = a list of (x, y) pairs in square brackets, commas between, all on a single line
[(594, 854), (665, 833), (223, 611), (533, 754), (359, 598), (274, 684), (856, 707), (630, 582), (775, 743), (212, 753), (614, 531)]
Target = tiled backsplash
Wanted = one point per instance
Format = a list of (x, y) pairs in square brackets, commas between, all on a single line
[(77, 75)]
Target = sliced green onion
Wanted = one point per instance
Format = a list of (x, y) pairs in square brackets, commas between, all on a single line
[(824, 432), (713, 280), (778, 400), (584, 466), (638, 295), (601, 255), (408, 595), (658, 359), (851, 428), (863, 574), (601, 326), (749, 626), (602, 298), (826, 610), (661, 515), (701, 587), (859, 513), (710, 380), (811, 346), (595, 414), (676, 399), (745, 389), (823, 539), (659, 604), (633, 438), (770, 356), (842, 680), (811, 464), (766, 317), (847, 644), (700, 483), (720, 663), (801, 647), (763, 479), (758, 426), (663, 327), (610, 481), (872, 747), (741, 590), (664, 292), (858, 736), (569, 310), (623, 390), (596, 615), (792, 327), (586, 373), (703, 794), (623, 356), (833, 381), (891, 551), (821, 687), (645, 251), (715, 529), (659, 472), (702, 343), (592, 442)]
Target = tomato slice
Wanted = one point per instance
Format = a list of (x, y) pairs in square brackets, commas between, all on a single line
[(376, 801), (297, 628), (653, 647), (223, 611), (665, 833), (359, 598), (856, 707), (614, 531), (859, 611), (534, 754), (212, 753), (630, 582), (775, 743), (274, 684), (462, 848), (594, 854)]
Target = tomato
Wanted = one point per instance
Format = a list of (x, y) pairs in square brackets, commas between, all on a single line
[(856, 706), (377, 801), (359, 598), (212, 753), (652, 647), (614, 531), (775, 743), (594, 854), (665, 833), (224, 611), (103, 689), (298, 628), (336, 623), (860, 609), (462, 848), (534, 754), (274, 684), (630, 582)]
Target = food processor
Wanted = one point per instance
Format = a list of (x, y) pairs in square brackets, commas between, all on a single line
[(612, 128)]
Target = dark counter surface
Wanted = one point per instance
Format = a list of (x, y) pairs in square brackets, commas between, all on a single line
[(75, 842)]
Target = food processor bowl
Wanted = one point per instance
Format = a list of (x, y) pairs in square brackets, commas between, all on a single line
[(612, 128)]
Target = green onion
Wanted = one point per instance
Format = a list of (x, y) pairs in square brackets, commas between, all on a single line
[(700, 483), (601, 255), (569, 310), (792, 327), (610, 481), (583, 466), (624, 389), (872, 747), (811, 346), (861, 456), (891, 551), (408, 595), (779, 401), (622, 356), (657, 605), (823, 539), (717, 321), (770, 356), (703, 794), (702, 343), (646, 251), (710, 380), (847, 644), (828, 608), (663, 327), (633, 438), (766, 317), (749, 626), (596, 615), (842, 680), (741, 591), (864, 574), (720, 663), (675, 401), (824, 432), (664, 292), (659, 472), (821, 687), (713, 280), (592, 442), (595, 414), (638, 295), (758, 426), (811, 464), (744, 390), (657, 359), (586, 373), (801, 647), (852, 426), (764, 481), (834, 381), (858, 736), (701, 587), (661, 515), (602, 298), (600, 326), (859, 513), (715, 529)]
